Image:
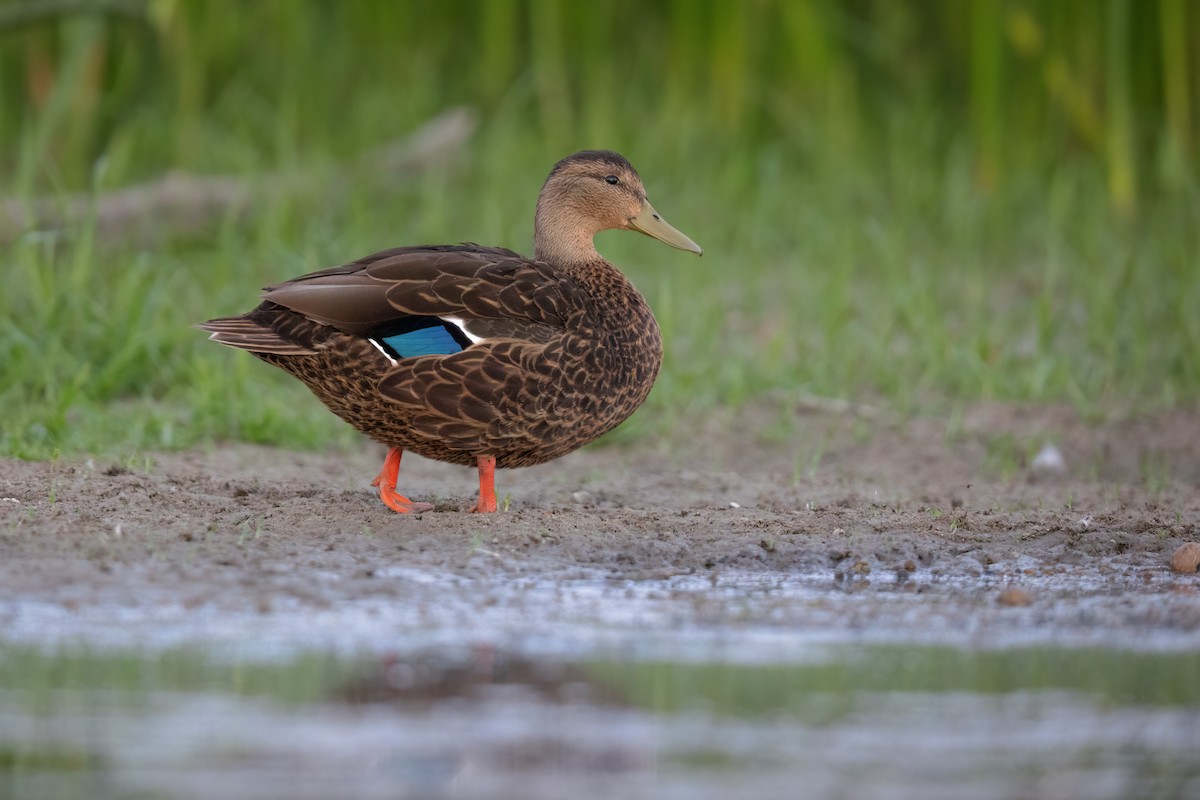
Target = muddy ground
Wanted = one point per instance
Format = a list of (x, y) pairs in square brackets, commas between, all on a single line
[(908, 529), (696, 567)]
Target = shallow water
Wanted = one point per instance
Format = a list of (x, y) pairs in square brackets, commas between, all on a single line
[(579, 685), (863, 721), (748, 617)]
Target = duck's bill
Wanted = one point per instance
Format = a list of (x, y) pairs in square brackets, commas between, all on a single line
[(651, 224)]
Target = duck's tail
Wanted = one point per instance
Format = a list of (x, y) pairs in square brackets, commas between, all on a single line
[(246, 334)]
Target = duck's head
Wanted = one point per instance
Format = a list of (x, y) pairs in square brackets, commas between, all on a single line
[(589, 192)]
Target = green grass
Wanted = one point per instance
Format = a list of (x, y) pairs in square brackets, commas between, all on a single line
[(907, 288), (861, 239)]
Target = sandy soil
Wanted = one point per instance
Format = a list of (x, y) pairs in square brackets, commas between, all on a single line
[(852, 504)]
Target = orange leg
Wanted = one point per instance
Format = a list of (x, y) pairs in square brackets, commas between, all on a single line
[(386, 481), (487, 484)]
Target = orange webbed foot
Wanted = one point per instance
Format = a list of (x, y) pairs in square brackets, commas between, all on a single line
[(386, 481), (398, 502)]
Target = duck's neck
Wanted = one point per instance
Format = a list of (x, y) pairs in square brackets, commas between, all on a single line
[(563, 238)]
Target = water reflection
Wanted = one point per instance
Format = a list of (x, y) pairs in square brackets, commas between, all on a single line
[(478, 673), (482, 721)]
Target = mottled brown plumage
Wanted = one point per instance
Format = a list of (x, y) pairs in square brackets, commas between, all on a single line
[(540, 356)]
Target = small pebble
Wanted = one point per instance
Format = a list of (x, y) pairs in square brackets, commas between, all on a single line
[(582, 497), (910, 566), (1014, 596), (839, 531), (1186, 558), (735, 505)]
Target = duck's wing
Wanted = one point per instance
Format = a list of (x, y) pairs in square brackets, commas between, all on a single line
[(487, 292)]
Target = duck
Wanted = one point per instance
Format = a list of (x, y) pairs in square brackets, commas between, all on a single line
[(477, 355)]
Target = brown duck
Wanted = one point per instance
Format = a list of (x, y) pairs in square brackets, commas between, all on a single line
[(478, 355)]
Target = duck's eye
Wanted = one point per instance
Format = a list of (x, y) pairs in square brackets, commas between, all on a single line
[(612, 180)]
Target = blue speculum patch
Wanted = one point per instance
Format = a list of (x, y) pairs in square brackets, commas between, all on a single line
[(422, 336)]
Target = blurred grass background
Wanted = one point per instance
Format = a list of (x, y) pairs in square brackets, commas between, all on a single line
[(919, 203)]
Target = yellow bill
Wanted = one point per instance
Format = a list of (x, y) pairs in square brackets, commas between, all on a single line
[(651, 224)]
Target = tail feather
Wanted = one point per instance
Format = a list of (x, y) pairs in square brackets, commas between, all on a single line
[(246, 334)]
